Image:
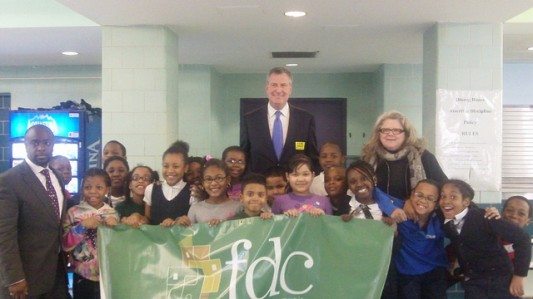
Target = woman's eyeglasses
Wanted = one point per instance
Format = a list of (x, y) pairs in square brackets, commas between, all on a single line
[(387, 131)]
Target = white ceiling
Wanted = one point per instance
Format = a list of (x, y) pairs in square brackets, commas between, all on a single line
[(237, 36)]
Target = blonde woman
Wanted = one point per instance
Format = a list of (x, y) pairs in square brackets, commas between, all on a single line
[(399, 156)]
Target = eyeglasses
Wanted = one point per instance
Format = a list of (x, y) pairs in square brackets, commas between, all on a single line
[(233, 162), (137, 178), (218, 179), (429, 198), (387, 131)]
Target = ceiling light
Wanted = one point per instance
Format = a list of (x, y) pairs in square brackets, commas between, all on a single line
[(70, 53), (530, 48), (295, 13), (291, 64)]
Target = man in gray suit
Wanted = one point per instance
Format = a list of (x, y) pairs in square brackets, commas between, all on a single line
[(31, 206)]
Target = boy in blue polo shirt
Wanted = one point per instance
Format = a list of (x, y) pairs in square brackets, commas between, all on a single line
[(421, 261)]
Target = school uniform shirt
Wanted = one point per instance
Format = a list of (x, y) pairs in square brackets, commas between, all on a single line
[(422, 249), (115, 200), (168, 191), (317, 186), (383, 205), (458, 220), (128, 207), (479, 249)]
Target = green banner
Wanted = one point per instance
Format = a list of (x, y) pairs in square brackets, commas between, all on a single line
[(304, 257)]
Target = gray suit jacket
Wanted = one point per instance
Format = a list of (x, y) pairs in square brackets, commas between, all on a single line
[(30, 232)]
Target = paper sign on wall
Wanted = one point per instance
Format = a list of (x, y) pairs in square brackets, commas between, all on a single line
[(469, 136)]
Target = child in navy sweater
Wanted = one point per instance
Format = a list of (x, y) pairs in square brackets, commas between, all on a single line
[(487, 269)]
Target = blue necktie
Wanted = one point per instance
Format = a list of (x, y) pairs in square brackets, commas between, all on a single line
[(277, 135)]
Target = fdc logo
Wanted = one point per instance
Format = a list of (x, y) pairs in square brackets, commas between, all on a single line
[(198, 268)]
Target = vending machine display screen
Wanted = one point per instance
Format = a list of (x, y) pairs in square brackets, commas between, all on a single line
[(63, 124)]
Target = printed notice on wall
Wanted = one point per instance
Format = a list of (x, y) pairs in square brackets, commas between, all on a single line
[(469, 136)]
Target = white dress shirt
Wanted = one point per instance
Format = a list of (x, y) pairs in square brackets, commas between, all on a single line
[(55, 182), (284, 117), (168, 191), (377, 214), (458, 220)]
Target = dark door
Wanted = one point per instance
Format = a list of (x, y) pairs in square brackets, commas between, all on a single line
[(329, 113)]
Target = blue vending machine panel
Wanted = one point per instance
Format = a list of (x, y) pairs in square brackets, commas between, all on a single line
[(67, 127), (64, 124)]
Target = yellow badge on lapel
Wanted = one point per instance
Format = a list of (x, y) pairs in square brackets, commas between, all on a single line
[(299, 145)]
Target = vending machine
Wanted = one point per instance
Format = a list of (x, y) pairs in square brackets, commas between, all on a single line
[(78, 136)]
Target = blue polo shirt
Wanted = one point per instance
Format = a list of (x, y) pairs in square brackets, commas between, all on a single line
[(421, 250)]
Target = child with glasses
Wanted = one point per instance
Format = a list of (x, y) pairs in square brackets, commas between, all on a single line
[(167, 200), (131, 210), (235, 159), (421, 259), (217, 207)]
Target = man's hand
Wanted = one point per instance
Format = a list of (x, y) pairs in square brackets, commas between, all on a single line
[(19, 290)]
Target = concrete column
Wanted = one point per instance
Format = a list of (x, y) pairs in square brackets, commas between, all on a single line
[(140, 90), (400, 88), (460, 57)]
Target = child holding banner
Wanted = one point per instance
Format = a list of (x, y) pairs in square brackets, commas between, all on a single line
[(253, 197), (218, 206), (484, 262), (276, 183), (80, 228), (369, 202), (301, 200), (336, 187), (171, 198)]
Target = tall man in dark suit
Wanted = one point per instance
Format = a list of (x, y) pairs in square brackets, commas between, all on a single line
[(272, 134), (31, 206)]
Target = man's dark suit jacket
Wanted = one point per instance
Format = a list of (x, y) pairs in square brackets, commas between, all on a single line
[(30, 232), (257, 142), (479, 249)]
